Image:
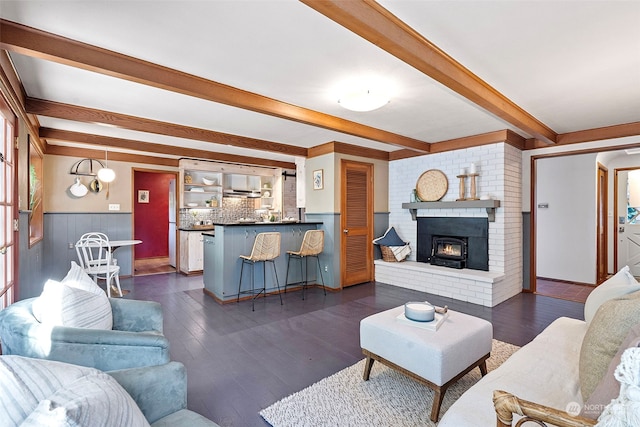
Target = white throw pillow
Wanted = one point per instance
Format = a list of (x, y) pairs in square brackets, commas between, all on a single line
[(62, 305), (620, 284), (77, 278), (95, 400)]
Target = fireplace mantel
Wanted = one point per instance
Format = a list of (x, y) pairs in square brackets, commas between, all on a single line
[(490, 205)]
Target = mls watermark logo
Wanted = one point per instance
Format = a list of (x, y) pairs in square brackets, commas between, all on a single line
[(573, 408)]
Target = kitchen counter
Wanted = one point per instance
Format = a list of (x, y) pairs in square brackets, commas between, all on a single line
[(235, 224), (244, 224), (207, 228), (223, 248)]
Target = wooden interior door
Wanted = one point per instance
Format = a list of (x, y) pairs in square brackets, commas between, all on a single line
[(356, 220), (602, 234)]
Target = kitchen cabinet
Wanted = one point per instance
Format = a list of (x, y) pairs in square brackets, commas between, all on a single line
[(222, 262), (212, 261), (204, 184), (191, 251), (241, 182), (200, 189)]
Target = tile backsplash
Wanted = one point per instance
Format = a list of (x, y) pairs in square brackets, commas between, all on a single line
[(232, 209)]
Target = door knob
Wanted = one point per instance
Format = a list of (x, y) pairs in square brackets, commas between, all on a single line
[(345, 231)]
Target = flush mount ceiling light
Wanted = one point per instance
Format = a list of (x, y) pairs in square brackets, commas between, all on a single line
[(363, 93), (363, 99), (105, 174)]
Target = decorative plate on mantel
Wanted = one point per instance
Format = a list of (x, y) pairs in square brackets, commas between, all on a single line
[(432, 185)]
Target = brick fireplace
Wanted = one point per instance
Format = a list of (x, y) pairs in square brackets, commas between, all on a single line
[(499, 177)]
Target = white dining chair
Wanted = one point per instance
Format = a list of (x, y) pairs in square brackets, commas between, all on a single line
[(94, 254)]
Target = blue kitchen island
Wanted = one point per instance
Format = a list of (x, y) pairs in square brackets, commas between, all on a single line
[(226, 242)]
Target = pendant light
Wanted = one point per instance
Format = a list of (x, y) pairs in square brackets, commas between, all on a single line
[(106, 174)]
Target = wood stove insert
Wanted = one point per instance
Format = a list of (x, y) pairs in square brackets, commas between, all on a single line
[(449, 251)]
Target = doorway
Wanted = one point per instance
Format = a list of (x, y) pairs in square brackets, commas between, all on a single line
[(602, 253), (627, 226), (154, 220), (567, 204), (356, 221)]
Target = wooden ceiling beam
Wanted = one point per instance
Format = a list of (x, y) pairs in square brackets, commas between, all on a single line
[(507, 136), (371, 21), (40, 44), (599, 134), (354, 150), (149, 147), (60, 150), (89, 115)]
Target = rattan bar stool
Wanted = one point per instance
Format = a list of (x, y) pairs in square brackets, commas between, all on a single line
[(312, 246), (266, 248)]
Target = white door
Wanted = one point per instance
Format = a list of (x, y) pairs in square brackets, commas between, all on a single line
[(628, 229)]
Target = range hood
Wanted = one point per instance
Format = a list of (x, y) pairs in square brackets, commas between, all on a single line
[(247, 194)]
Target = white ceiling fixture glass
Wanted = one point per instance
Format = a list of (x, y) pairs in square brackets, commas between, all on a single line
[(364, 94), (106, 174)]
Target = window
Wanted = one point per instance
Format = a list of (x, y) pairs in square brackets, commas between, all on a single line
[(8, 211), (36, 213), (633, 185)]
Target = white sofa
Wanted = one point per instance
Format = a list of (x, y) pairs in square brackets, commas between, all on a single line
[(547, 370), (544, 371)]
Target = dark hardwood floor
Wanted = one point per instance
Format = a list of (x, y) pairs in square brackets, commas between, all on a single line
[(239, 361)]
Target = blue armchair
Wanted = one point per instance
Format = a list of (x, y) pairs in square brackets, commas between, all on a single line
[(77, 395), (136, 338), (161, 393)]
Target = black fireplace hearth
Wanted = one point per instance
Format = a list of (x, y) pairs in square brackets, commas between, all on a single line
[(454, 242)]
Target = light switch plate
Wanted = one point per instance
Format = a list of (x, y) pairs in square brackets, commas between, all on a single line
[(114, 206)]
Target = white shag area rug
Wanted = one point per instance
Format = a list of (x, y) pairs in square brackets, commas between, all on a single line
[(389, 398)]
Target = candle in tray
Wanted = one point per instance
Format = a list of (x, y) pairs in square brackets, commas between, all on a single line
[(472, 168), (463, 171), (419, 311)]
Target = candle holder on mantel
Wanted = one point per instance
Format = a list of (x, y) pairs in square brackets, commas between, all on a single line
[(462, 185), (473, 186)]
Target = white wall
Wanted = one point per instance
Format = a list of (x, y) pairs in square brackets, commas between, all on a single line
[(566, 230)]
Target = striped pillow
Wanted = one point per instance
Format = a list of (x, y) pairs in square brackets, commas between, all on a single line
[(96, 400), (24, 382), (78, 278), (47, 393), (61, 305)]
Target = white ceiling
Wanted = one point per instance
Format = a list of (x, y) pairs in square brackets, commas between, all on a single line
[(573, 65)]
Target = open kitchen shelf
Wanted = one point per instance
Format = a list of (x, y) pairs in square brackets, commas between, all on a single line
[(490, 205)]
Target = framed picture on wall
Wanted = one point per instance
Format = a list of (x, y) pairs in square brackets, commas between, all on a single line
[(318, 180), (143, 196)]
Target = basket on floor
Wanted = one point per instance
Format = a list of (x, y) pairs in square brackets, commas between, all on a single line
[(387, 254)]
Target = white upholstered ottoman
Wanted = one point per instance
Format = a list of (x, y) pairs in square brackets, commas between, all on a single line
[(435, 358)]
